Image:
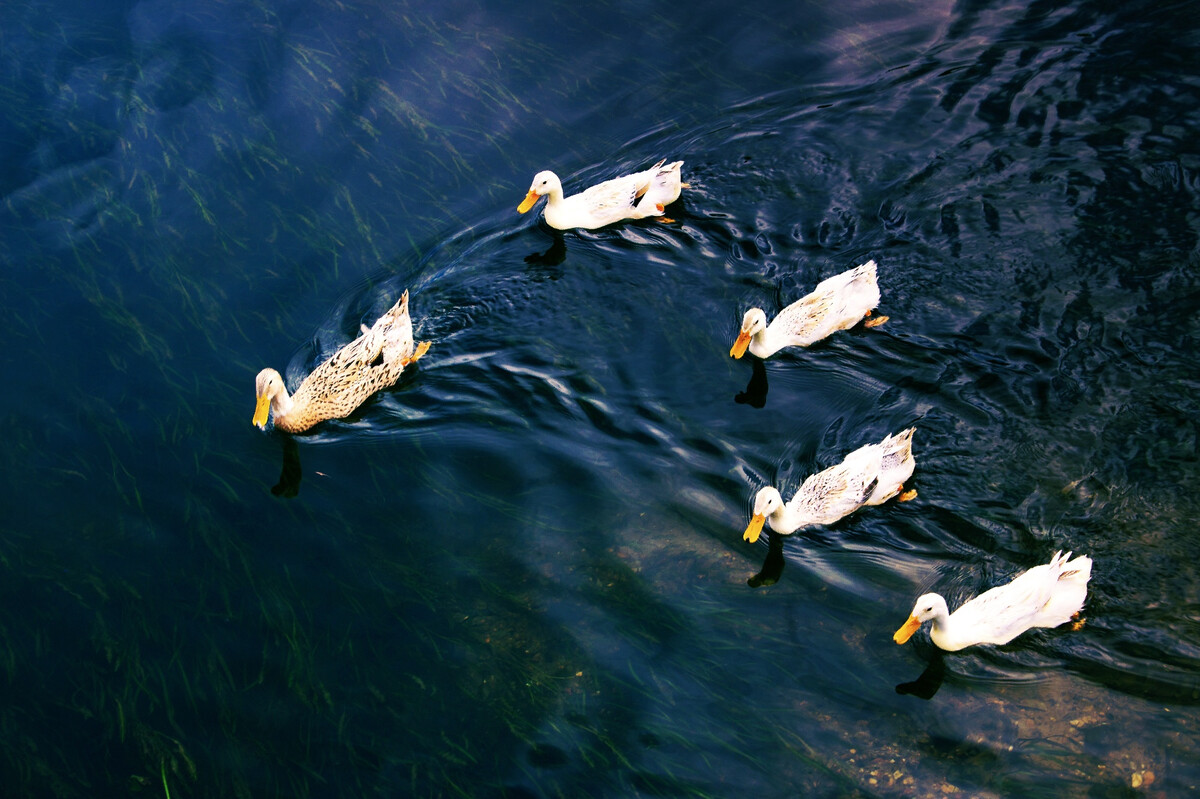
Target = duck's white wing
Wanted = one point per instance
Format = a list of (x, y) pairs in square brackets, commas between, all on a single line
[(896, 465), (666, 183), (805, 321), (841, 301), (614, 200), (861, 281), (1069, 591), (616, 196), (1001, 614), (839, 490), (837, 303)]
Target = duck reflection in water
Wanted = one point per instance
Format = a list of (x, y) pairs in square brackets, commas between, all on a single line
[(289, 476), (550, 258), (929, 681), (772, 568), (755, 394)]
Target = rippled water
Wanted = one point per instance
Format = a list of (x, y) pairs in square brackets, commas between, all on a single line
[(520, 571)]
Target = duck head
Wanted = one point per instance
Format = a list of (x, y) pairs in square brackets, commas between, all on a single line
[(545, 182), (766, 502), (927, 608), (753, 323), (267, 386)]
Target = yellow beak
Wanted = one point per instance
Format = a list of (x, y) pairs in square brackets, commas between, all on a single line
[(904, 633), (739, 346), (754, 529), (261, 409), (527, 203)]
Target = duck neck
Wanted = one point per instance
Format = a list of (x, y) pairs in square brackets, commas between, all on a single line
[(281, 404), (763, 344), (785, 520), (942, 633)]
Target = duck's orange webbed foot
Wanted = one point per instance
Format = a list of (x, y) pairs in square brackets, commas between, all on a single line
[(873, 322), (421, 349), (1079, 622), (907, 496)]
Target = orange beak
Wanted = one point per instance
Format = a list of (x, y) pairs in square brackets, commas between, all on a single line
[(754, 529), (527, 203), (261, 409), (739, 347), (904, 633)]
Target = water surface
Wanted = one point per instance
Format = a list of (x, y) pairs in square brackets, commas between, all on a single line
[(520, 571)]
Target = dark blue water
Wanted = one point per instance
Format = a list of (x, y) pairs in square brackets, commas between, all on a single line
[(520, 571)]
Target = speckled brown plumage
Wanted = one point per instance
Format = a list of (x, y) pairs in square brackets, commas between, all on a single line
[(373, 361)]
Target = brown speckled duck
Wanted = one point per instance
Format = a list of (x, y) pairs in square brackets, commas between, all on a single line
[(371, 362)]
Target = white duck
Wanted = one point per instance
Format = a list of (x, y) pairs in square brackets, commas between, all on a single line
[(871, 475), (837, 303), (635, 196), (1045, 596)]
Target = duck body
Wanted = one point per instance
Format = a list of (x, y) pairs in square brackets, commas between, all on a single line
[(1045, 596), (373, 361), (870, 475), (837, 303), (634, 196)]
